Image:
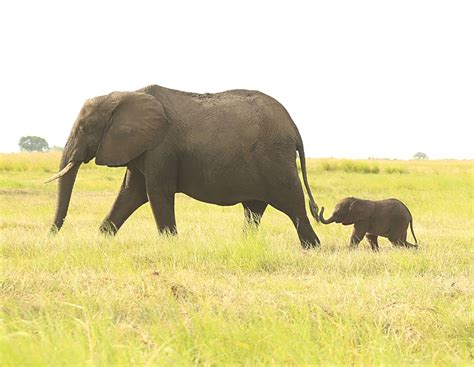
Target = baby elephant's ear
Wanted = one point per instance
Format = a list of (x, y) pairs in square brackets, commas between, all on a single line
[(137, 123), (361, 210)]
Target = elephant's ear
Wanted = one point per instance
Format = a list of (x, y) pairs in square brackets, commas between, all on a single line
[(360, 210), (137, 123)]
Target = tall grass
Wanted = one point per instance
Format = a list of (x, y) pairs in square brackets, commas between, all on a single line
[(364, 167), (219, 294), (349, 166), (37, 162)]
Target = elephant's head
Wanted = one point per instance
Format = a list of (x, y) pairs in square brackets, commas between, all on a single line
[(349, 211), (114, 129)]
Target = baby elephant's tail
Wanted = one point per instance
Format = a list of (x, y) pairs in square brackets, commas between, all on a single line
[(413, 233)]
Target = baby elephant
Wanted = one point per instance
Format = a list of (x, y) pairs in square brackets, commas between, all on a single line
[(387, 218)]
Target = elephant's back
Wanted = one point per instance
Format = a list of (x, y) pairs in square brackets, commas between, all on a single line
[(159, 91), (236, 108)]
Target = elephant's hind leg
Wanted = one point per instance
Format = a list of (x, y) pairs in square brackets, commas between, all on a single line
[(306, 234), (131, 196), (408, 244), (401, 241), (253, 212), (291, 202)]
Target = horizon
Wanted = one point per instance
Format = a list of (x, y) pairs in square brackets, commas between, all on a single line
[(307, 157)]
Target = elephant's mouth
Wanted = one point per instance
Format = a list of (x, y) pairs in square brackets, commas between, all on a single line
[(89, 156)]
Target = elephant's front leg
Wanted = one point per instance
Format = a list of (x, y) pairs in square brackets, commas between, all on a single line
[(358, 234), (161, 185), (253, 212), (160, 189), (162, 206), (131, 196)]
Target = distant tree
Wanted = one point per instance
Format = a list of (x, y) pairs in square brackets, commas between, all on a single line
[(420, 155), (33, 144)]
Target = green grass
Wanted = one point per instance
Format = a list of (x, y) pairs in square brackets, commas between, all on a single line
[(218, 295)]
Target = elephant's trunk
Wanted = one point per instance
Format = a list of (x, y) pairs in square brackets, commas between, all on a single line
[(325, 221), (65, 185)]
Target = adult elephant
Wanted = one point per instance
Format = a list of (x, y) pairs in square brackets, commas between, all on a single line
[(237, 146)]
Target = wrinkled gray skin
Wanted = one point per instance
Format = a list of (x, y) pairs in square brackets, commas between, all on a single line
[(386, 218), (237, 146)]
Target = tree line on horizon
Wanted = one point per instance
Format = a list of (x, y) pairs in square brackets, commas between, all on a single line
[(36, 144)]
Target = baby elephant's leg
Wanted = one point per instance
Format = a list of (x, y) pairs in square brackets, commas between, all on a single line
[(372, 238), (358, 234), (406, 243), (401, 240), (410, 245), (396, 241)]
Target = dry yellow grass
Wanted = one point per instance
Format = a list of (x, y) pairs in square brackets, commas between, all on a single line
[(217, 295)]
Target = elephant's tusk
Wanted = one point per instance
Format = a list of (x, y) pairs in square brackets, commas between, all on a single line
[(61, 173)]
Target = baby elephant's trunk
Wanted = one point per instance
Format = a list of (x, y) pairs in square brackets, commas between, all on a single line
[(325, 221)]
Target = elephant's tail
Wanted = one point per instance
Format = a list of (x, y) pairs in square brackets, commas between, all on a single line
[(313, 207), (413, 233)]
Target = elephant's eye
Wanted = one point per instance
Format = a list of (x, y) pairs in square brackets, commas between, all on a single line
[(81, 129)]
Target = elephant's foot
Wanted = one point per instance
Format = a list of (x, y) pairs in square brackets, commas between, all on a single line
[(306, 234), (108, 228), (168, 231), (411, 245), (253, 212), (53, 230), (310, 244), (373, 241)]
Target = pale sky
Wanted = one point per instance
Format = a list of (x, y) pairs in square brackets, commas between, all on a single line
[(359, 78)]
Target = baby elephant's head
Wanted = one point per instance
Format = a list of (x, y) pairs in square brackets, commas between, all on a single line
[(349, 211)]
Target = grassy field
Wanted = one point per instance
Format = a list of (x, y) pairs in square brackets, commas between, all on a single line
[(217, 295)]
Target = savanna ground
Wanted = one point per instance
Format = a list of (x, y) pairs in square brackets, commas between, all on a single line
[(216, 295)]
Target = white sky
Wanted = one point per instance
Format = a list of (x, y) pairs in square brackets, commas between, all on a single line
[(360, 78)]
